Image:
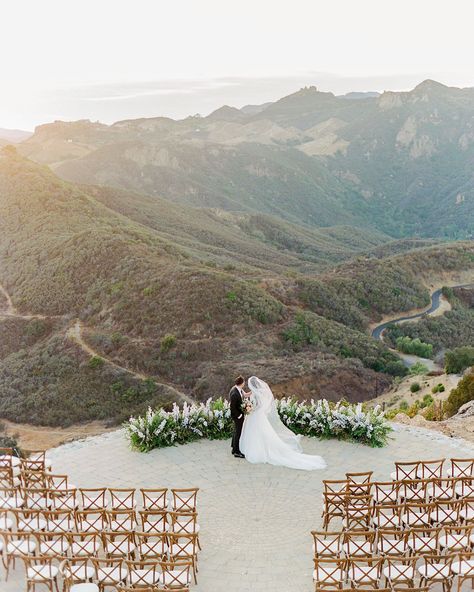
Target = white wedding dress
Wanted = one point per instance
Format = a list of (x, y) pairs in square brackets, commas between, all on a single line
[(266, 439)]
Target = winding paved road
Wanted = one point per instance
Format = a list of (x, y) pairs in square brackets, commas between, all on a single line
[(435, 302), (409, 360)]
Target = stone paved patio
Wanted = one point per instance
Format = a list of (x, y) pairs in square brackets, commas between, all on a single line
[(255, 519)]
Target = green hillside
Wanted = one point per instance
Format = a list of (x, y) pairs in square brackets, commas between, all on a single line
[(140, 301)]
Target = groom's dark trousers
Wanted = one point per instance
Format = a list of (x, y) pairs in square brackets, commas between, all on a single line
[(237, 416)]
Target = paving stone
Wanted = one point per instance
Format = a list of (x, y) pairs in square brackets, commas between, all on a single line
[(255, 519)]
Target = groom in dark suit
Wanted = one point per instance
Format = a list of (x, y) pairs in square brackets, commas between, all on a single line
[(237, 395)]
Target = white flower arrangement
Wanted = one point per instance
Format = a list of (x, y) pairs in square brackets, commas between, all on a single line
[(212, 420)]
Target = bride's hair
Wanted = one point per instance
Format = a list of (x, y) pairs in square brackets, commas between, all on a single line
[(239, 380)]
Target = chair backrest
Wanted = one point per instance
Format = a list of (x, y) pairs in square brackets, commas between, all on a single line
[(122, 499), (85, 544), (335, 486), (93, 499), (437, 565), (37, 499), (359, 542), (392, 541), (53, 543), (151, 545), (328, 571), (11, 497), (396, 567), (91, 520), (464, 486), (366, 569), (34, 460), (414, 490), (40, 568), (184, 500), (59, 520), (432, 469), (112, 571), (57, 482), (6, 477), (75, 569), (407, 470), (388, 516), (176, 574), (359, 483), (182, 546), (155, 499), (154, 520), (424, 540), (120, 544), (65, 499), (446, 511), (141, 573), (462, 467), (34, 479), (121, 520), (327, 544), (185, 522), (386, 492)]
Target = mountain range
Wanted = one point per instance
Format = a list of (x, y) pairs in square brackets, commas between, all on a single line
[(150, 260), (400, 162)]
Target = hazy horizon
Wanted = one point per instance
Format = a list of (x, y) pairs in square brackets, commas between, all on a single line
[(116, 59), (179, 99)]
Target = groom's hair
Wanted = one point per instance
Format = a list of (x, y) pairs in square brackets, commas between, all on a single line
[(239, 380)]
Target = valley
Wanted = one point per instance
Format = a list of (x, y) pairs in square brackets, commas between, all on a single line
[(148, 261)]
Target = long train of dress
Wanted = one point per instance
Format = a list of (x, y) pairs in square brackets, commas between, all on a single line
[(265, 439)]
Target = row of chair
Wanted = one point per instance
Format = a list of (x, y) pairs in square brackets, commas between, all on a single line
[(392, 571)]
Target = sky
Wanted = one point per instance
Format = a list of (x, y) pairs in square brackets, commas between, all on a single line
[(116, 59)]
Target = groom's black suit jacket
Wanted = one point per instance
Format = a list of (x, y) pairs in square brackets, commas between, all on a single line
[(235, 404)]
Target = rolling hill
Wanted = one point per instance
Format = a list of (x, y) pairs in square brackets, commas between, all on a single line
[(120, 300), (400, 163)]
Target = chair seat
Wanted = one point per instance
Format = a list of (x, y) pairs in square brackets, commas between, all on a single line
[(441, 493), (144, 576), (437, 569), (152, 549), (365, 574), (400, 572), (11, 503), (160, 526), (39, 503), (32, 524), (422, 544), (461, 568), (385, 496), (328, 548), (61, 525), (40, 574), (84, 588), (124, 526), (88, 548), (6, 523), (83, 572), (392, 546), (449, 541), (445, 517), (175, 577), (382, 521), (410, 495), (111, 575), (60, 547), (65, 504), (351, 548), (14, 460), (416, 520), (186, 528), (467, 513), (21, 547), (124, 548), (319, 575)]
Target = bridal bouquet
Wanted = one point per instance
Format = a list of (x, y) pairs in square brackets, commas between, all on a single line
[(247, 406)]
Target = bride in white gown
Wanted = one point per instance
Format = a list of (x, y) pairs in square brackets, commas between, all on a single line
[(266, 439)]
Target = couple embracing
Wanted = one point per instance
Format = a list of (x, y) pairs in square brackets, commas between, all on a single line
[(259, 434)]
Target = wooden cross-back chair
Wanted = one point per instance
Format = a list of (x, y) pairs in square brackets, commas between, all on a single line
[(328, 572), (424, 540), (364, 571), (400, 570), (406, 470), (184, 500), (122, 499), (183, 547), (155, 499), (326, 543), (176, 575)]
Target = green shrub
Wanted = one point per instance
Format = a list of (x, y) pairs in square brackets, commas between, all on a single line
[(96, 362), (461, 395), (417, 369), (415, 387), (458, 359), (404, 405), (415, 347), (427, 400), (167, 343)]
